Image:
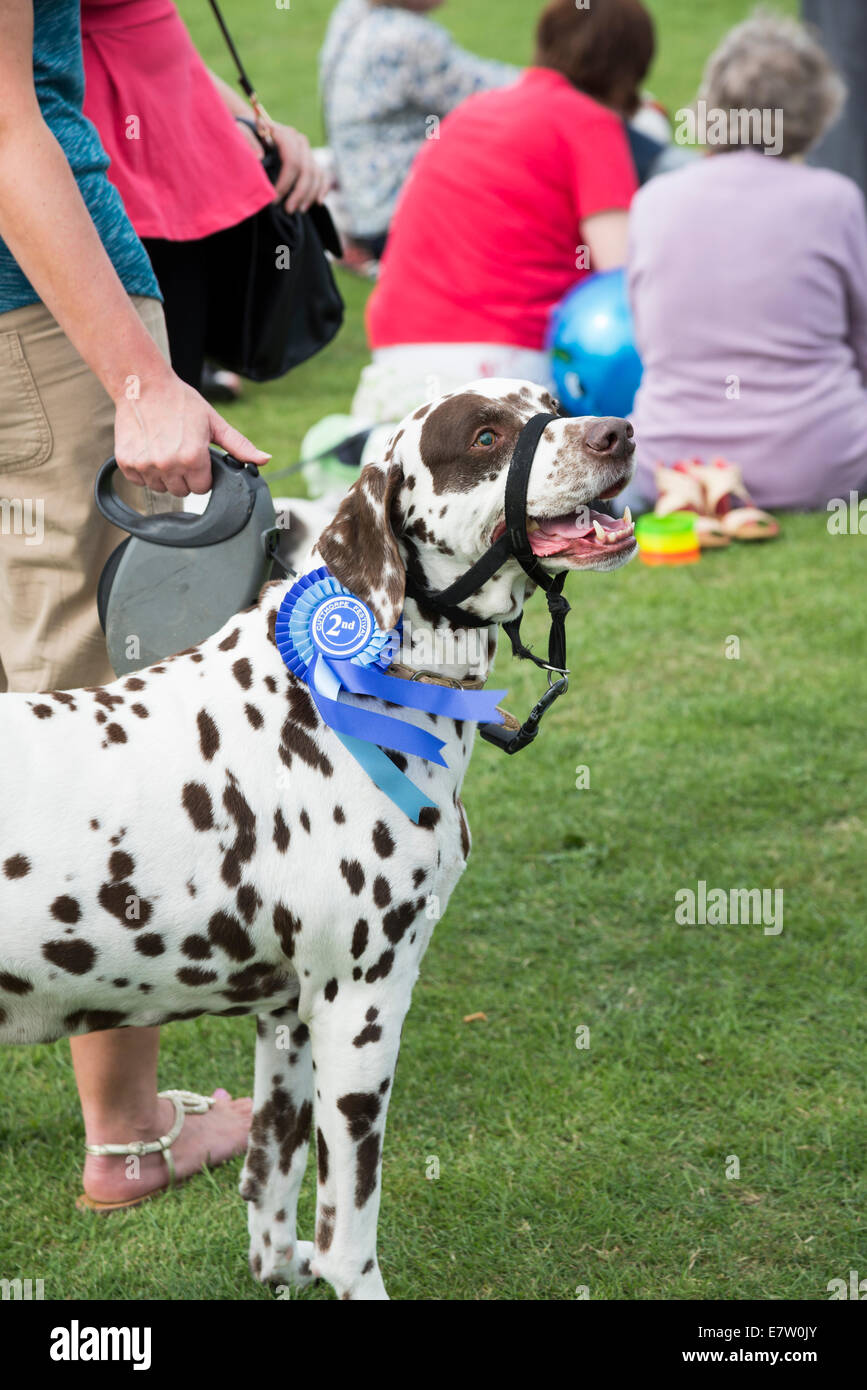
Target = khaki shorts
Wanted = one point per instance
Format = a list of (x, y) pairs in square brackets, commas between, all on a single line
[(56, 428)]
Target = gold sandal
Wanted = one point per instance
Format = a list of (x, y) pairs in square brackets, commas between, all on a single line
[(679, 490), (185, 1103), (723, 486)]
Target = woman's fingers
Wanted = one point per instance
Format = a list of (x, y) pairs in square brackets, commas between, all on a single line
[(301, 181), (163, 442), (303, 191), (291, 144), (233, 441)]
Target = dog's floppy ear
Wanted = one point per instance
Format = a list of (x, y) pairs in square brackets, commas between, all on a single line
[(360, 547)]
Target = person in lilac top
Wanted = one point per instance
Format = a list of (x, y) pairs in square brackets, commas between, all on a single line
[(748, 281)]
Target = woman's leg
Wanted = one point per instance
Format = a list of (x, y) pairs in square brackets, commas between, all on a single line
[(117, 1083), (56, 428), (373, 245)]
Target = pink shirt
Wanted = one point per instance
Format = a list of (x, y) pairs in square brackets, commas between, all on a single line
[(178, 159), (485, 236)]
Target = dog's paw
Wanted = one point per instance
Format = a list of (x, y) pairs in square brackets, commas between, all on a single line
[(276, 1263), (348, 1282), (294, 1264)]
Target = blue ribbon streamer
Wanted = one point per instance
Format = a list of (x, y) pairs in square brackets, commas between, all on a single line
[(477, 705), (363, 732), (378, 765), (373, 728), (383, 773)]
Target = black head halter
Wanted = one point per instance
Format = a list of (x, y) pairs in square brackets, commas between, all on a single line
[(512, 544)]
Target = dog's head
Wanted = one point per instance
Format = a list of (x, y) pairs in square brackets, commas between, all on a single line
[(437, 501)]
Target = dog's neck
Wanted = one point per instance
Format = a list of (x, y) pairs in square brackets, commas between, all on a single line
[(437, 643), (437, 646), (431, 642)]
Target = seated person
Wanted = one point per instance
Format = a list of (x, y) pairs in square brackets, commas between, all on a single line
[(526, 190), (386, 73), (748, 281)]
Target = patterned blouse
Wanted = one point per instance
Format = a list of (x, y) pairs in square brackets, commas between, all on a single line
[(387, 76)]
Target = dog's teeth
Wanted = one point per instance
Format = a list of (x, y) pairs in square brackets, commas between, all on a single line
[(600, 531), (532, 526), (627, 516)]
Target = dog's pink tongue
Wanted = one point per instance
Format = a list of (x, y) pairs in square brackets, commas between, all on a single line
[(559, 530)]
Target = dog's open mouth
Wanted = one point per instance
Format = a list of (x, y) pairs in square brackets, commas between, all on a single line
[(581, 535), (584, 534)]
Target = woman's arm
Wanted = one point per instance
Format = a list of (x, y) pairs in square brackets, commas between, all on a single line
[(606, 236), (237, 104), (162, 427), (598, 164)]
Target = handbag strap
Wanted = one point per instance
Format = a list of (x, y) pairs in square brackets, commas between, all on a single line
[(263, 120)]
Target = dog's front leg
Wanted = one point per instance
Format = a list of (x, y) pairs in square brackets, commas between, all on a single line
[(356, 1039), (277, 1150)]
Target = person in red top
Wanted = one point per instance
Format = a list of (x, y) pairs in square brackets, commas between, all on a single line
[(525, 192)]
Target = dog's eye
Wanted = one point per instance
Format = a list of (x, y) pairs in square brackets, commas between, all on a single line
[(484, 439)]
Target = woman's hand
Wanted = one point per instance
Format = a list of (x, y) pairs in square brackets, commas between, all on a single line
[(301, 181), (300, 176), (162, 431)]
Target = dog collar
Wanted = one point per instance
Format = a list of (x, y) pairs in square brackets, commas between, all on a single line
[(509, 722), (410, 673)]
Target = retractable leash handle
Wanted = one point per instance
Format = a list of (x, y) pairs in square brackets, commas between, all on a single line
[(228, 511)]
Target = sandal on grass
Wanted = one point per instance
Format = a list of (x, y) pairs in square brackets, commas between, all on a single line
[(681, 491), (749, 524), (727, 499), (185, 1103)]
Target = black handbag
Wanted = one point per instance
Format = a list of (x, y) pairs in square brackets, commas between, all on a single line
[(279, 303)]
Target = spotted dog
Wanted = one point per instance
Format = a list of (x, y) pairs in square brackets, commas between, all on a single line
[(193, 840)]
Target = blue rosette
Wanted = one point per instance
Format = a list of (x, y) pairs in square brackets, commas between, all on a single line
[(328, 638), (295, 625)]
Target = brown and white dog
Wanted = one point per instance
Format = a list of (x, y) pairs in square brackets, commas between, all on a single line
[(193, 839)]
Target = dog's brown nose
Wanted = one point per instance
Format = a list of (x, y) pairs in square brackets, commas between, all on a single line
[(611, 437)]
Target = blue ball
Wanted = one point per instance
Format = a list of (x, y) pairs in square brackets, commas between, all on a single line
[(594, 362)]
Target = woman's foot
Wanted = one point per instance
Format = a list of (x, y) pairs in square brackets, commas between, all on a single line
[(358, 260), (220, 386), (204, 1142)]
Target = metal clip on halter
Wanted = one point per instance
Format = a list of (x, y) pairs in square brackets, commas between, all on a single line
[(513, 740)]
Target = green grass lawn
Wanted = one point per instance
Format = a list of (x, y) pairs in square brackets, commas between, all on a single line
[(561, 1167)]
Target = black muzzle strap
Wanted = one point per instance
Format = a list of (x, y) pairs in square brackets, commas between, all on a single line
[(514, 543), (558, 607), (517, 485)]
